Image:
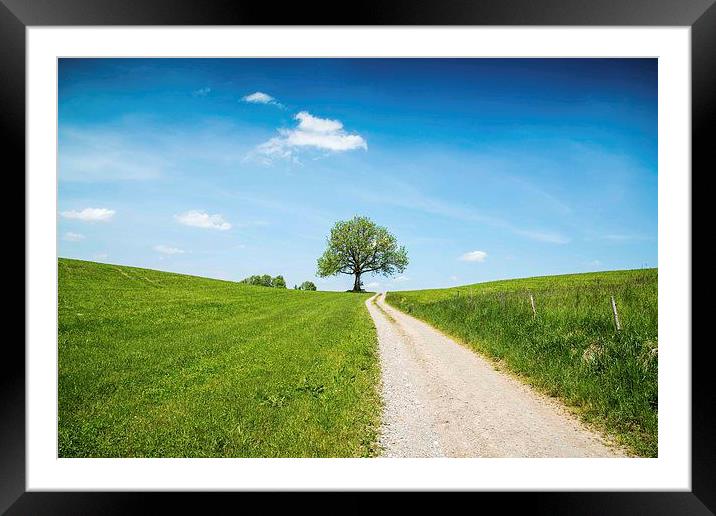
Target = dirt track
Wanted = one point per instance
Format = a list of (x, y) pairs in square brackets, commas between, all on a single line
[(443, 400)]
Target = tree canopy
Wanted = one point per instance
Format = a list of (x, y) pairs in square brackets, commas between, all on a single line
[(359, 246)]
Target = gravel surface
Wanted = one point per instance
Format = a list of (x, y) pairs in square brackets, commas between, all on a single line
[(443, 400)]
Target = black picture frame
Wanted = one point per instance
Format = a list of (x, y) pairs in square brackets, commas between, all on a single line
[(17, 15)]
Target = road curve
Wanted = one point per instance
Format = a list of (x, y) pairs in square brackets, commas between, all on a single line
[(443, 400)]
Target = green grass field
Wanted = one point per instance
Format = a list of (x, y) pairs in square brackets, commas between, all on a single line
[(571, 349), (153, 364)]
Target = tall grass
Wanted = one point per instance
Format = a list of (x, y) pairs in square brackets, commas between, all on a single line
[(571, 348), (153, 364)]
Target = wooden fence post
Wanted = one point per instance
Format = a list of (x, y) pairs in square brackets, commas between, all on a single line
[(616, 315), (532, 302)]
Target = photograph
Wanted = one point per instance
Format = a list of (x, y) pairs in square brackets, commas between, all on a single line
[(342, 257)]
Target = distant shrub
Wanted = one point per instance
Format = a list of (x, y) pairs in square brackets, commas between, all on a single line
[(257, 280), (308, 285), (265, 280)]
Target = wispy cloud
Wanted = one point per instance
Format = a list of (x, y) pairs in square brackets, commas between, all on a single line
[(73, 237), (532, 191), (165, 249), (473, 256), (373, 284), (101, 154), (100, 256), (144, 148), (252, 223), (260, 97), (621, 237), (201, 92), (406, 196), (89, 214), (550, 237), (312, 132), (306, 212), (200, 219)]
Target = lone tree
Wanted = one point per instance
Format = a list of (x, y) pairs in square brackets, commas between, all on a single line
[(358, 246)]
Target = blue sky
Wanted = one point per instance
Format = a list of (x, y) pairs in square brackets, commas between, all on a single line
[(483, 168)]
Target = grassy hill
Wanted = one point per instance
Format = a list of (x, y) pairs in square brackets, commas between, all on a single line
[(157, 364), (571, 348)]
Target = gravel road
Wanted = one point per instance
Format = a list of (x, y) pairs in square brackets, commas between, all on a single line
[(443, 400)]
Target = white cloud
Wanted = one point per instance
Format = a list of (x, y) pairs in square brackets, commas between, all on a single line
[(100, 256), (200, 219), (310, 123), (202, 92), (328, 141), (89, 214), (311, 132), (165, 249), (73, 237), (401, 279), (372, 284), (474, 256), (261, 98)]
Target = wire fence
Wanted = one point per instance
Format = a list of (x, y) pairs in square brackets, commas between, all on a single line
[(622, 304)]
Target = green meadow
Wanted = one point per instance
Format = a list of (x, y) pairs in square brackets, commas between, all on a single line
[(571, 347), (154, 364)]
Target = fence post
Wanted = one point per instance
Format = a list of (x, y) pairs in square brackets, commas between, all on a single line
[(616, 315), (532, 302)]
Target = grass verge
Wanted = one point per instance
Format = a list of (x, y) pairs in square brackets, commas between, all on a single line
[(571, 348)]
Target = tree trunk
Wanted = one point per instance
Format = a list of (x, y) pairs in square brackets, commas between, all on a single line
[(356, 284)]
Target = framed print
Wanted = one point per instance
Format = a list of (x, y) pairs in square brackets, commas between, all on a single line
[(443, 248)]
